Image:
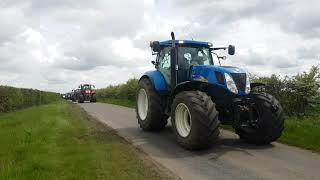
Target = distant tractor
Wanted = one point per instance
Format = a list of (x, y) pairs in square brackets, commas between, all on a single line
[(84, 92), (67, 96), (72, 95), (199, 95)]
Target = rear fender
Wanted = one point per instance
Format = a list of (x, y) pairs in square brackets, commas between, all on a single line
[(157, 80)]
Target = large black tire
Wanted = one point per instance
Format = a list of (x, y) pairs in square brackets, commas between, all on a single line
[(156, 119), (270, 120), (204, 120), (81, 100)]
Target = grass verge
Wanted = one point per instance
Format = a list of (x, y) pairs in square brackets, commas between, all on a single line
[(59, 141), (120, 102), (301, 132)]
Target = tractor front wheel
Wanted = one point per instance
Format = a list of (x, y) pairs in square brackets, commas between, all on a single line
[(93, 99), (150, 107), (194, 120), (264, 121), (81, 99)]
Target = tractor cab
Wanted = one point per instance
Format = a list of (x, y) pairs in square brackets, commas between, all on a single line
[(182, 61), (186, 53), (86, 86)]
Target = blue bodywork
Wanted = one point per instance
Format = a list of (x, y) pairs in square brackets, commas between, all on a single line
[(206, 73), (157, 79), (202, 73)]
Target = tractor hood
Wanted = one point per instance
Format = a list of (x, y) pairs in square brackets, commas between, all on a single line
[(216, 75), (207, 71), (230, 69), (222, 69)]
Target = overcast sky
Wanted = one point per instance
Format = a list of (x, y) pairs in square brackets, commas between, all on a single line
[(57, 44)]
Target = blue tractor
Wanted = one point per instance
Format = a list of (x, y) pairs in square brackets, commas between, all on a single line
[(199, 96)]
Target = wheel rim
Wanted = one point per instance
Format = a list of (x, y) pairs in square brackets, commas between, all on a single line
[(142, 104), (183, 120)]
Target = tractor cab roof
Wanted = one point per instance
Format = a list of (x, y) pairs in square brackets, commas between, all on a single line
[(186, 42), (86, 86)]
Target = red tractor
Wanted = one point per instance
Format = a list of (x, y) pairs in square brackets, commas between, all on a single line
[(85, 92)]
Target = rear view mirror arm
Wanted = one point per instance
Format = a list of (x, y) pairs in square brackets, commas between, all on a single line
[(218, 48)]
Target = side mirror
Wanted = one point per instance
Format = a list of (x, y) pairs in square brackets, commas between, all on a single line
[(155, 46), (153, 62), (231, 50)]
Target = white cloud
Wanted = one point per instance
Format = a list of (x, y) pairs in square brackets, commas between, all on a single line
[(57, 44)]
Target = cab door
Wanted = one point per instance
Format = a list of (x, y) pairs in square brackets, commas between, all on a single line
[(164, 64)]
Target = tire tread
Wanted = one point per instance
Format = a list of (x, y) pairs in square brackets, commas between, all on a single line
[(204, 114), (156, 119)]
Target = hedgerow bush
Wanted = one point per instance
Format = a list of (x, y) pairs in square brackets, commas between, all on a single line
[(17, 98), (296, 94), (122, 91)]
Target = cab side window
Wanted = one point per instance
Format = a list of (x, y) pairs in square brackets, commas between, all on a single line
[(164, 58), (165, 64)]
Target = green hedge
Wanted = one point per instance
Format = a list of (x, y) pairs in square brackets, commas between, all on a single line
[(298, 94), (17, 98), (122, 91)]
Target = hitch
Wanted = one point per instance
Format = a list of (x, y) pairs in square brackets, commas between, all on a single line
[(243, 110)]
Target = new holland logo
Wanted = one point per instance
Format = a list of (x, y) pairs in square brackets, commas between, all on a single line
[(199, 78), (237, 70)]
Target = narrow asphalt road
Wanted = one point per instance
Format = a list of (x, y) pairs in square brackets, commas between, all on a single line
[(230, 158)]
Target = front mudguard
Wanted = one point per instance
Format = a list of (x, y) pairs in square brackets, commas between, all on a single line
[(258, 87)]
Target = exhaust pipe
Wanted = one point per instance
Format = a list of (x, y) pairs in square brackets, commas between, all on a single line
[(172, 36)]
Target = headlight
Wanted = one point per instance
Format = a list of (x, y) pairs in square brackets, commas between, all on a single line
[(248, 89), (230, 84)]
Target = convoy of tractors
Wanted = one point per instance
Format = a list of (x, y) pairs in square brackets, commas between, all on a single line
[(198, 95), (84, 92)]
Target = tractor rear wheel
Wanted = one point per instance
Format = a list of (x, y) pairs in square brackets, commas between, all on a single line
[(194, 120), (267, 122), (150, 107)]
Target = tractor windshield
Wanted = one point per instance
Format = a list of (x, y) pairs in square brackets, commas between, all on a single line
[(88, 86), (191, 56)]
